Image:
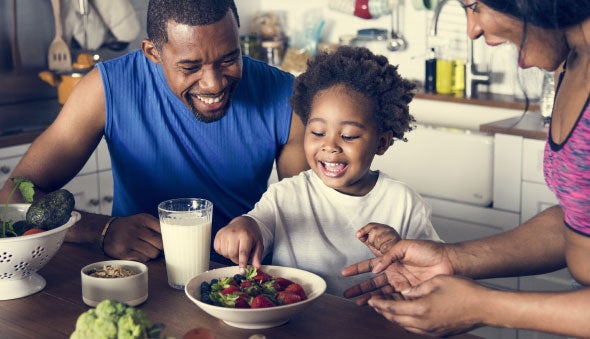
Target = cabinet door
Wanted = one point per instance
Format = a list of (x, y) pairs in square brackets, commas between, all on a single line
[(105, 188), (9, 158), (103, 156), (525, 334), (453, 230), (535, 198), (7, 165), (85, 191)]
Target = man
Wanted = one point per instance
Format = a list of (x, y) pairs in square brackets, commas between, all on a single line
[(186, 116)]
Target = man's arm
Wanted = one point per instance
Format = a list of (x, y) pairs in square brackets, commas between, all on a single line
[(291, 159), (59, 153)]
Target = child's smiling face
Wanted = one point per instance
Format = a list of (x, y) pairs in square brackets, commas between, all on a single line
[(341, 139)]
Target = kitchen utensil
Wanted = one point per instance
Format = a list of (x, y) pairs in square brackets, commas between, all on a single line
[(21, 257), (59, 56), (397, 42), (84, 12), (375, 39), (16, 61), (66, 80)]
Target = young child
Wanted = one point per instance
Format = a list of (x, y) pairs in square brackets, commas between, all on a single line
[(353, 104)]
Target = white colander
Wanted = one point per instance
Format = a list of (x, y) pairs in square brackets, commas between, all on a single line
[(21, 257)]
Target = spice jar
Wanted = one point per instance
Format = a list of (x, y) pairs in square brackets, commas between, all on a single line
[(250, 45), (273, 50)]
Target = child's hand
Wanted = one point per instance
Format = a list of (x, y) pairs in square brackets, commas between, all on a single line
[(378, 237), (239, 240)]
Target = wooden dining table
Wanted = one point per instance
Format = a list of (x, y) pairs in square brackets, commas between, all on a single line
[(52, 312)]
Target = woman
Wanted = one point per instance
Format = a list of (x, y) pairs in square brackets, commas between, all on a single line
[(549, 34)]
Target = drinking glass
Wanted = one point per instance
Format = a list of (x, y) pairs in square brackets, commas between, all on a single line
[(186, 233)]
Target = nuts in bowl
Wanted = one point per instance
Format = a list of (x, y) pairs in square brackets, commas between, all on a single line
[(275, 310), (121, 280)]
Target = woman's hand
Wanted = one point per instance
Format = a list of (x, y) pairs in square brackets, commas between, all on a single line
[(442, 306), (407, 263)]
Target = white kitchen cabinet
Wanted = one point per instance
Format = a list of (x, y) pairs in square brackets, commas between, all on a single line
[(457, 222), (105, 178), (9, 158), (85, 191), (105, 192), (92, 187), (519, 185)]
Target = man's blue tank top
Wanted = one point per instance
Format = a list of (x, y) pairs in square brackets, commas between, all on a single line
[(160, 151)]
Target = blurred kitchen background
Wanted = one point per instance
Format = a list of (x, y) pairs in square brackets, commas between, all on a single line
[(297, 24), (474, 156)]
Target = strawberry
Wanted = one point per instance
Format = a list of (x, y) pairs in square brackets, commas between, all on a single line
[(245, 283), (229, 290), (296, 288), (242, 302), (283, 283), (286, 298), (261, 301), (262, 277)]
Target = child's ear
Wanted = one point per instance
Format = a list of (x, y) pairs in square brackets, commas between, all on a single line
[(385, 140)]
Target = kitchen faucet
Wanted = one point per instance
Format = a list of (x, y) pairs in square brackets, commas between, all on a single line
[(473, 77)]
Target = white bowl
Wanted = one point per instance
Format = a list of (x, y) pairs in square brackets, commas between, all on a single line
[(131, 290), (313, 285), (21, 257)]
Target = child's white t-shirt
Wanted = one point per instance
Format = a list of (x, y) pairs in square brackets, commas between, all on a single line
[(311, 226)]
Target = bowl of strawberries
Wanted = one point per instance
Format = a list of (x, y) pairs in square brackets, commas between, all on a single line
[(257, 298)]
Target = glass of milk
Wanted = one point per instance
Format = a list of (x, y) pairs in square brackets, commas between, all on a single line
[(186, 233)]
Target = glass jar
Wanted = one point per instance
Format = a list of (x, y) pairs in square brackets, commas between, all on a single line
[(250, 45)]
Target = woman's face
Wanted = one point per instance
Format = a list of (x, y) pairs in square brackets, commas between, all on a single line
[(542, 48)]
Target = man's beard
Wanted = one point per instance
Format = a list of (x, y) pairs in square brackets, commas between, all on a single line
[(212, 116)]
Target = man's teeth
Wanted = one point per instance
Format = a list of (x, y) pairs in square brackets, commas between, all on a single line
[(209, 100)]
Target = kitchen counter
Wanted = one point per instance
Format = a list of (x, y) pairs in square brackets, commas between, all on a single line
[(483, 99), (528, 126), (24, 117)]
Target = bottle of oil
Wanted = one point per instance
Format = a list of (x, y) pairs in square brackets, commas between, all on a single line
[(430, 74), (458, 76), (458, 80), (444, 73)]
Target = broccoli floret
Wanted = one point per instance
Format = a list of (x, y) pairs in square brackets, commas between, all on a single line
[(114, 320), (89, 325)]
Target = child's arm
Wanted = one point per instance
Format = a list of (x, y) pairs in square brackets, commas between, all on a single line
[(239, 241), (378, 237)]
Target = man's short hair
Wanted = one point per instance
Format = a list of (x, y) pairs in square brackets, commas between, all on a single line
[(186, 12)]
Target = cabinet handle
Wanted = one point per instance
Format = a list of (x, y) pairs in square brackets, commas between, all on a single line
[(5, 169), (94, 202), (107, 198)]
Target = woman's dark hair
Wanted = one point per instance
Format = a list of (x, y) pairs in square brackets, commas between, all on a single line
[(551, 14), (186, 12), (548, 14), (371, 75)]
